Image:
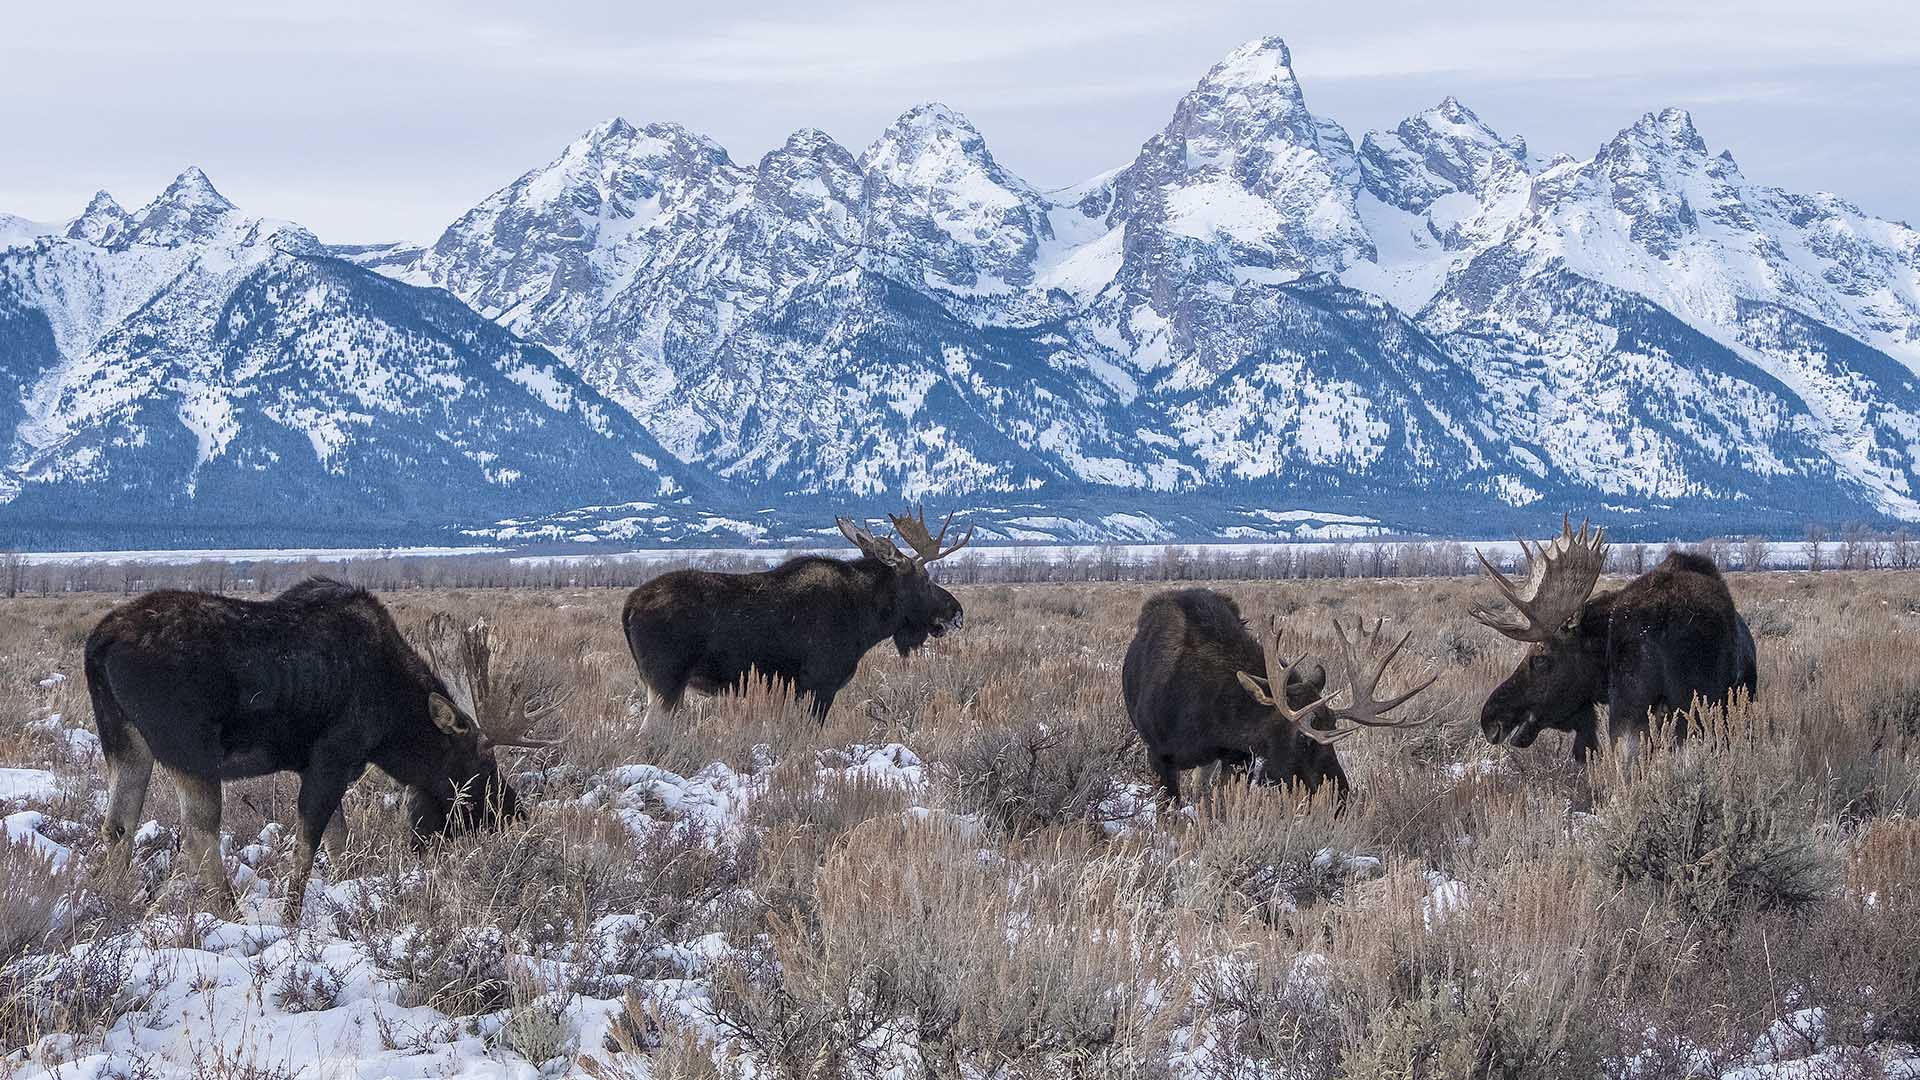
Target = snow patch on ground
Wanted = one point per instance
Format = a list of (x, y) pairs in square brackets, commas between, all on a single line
[(28, 785)]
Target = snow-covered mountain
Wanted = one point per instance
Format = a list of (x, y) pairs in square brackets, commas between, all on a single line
[(1254, 306), (1428, 327), (186, 373)]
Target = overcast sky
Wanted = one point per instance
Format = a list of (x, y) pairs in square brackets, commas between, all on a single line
[(385, 120)]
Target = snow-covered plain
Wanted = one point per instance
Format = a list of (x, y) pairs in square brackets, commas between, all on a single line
[(252, 997)]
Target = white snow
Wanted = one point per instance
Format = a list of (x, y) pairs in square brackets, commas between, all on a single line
[(28, 785), (1222, 207)]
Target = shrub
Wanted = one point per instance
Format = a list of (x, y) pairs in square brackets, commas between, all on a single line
[(1024, 776), (539, 1030), (1473, 1029), (76, 993), (307, 987), (1713, 831), (922, 945), (1261, 852), (1500, 981), (1267, 1011), (30, 894), (460, 970)]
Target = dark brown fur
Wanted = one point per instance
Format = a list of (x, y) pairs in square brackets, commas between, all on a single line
[(317, 681), (1182, 691), (1649, 649), (806, 622)]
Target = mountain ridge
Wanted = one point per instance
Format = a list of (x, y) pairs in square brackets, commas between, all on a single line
[(1427, 327)]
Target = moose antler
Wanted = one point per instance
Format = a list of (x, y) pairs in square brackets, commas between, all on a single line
[(505, 706), (926, 547), (1561, 577), (1277, 680), (462, 658), (1365, 710)]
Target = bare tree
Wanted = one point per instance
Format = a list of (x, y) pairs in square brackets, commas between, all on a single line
[(1753, 553), (1719, 551), (1853, 547), (1815, 552), (1637, 558)]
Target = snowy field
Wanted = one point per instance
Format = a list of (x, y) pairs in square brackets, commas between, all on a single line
[(966, 873)]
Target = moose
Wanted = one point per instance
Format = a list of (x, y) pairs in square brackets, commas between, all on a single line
[(1652, 649), (317, 681), (1202, 692), (806, 622)]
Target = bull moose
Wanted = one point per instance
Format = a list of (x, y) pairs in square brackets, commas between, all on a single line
[(1668, 639), (1202, 692), (317, 681), (806, 622)]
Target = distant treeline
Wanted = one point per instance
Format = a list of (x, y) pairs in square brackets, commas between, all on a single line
[(1853, 549)]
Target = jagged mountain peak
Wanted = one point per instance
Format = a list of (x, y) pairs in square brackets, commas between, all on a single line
[(1250, 95), (102, 202), (615, 146), (812, 142), (1262, 61), (1441, 151), (942, 211), (1670, 126), (1658, 144), (101, 222), (192, 188), (189, 210), (810, 163), (931, 136), (1243, 174), (933, 115), (614, 127), (1453, 119)]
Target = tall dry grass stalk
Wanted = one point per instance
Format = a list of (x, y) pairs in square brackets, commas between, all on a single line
[(1030, 908)]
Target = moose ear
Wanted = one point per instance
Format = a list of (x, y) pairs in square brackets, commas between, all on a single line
[(446, 717), (877, 547), (1256, 686)]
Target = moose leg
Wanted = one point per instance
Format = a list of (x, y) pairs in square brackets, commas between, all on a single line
[(1629, 724), (1169, 776), (335, 840), (1340, 787), (822, 704), (663, 702), (1210, 774), (1585, 741), (321, 789), (129, 770), (200, 822)]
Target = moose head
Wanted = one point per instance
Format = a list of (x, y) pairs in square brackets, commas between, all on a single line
[(923, 608), (478, 706), (1565, 670)]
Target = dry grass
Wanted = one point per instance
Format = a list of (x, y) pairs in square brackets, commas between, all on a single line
[(1027, 911)]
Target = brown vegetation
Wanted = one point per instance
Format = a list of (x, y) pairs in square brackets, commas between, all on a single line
[(1029, 910)]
